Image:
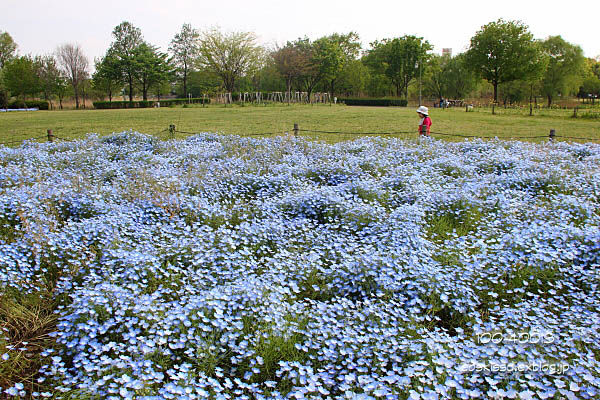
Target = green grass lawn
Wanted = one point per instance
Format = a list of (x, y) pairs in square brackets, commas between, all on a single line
[(276, 119)]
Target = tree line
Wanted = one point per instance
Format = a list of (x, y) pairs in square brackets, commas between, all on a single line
[(503, 62)]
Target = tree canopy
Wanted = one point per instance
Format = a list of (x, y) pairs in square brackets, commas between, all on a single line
[(185, 48), (20, 77), (565, 67), (124, 49), (399, 59), (8, 48), (74, 65), (504, 51), (229, 55)]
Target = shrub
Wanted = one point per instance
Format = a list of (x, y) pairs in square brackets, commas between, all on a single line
[(39, 104), (113, 105), (374, 102)]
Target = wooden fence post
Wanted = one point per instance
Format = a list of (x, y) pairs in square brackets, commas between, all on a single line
[(50, 136), (552, 135), (296, 129)]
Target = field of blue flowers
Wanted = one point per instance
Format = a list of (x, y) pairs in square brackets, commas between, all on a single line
[(221, 267)]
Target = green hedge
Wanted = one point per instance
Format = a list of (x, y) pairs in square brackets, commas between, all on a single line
[(111, 105), (39, 104), (374, 102)]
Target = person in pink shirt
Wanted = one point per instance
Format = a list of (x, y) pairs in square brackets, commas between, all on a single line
[(425, 123)]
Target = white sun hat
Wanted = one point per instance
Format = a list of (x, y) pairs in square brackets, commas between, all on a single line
[(423, 110)]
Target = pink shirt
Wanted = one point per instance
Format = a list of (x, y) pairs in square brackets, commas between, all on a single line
[(427, 123)]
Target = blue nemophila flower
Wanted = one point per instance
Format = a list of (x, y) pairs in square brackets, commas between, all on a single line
[(227, 267)]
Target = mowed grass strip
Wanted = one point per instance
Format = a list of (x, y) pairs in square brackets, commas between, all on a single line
[(277, 119)]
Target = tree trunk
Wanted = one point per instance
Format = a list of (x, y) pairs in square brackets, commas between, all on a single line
[(185, 93), (144, 91), (75, 89), (549, 101), (495, 92), (130, 88)]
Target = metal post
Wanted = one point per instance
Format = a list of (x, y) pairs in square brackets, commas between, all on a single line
[(296, 129)]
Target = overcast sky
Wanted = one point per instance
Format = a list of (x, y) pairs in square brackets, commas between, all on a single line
[(39, 26)]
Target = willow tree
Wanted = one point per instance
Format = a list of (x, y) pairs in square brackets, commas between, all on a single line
[(565, 67)]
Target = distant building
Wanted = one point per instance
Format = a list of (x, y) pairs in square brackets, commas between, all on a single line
[(447, 52)]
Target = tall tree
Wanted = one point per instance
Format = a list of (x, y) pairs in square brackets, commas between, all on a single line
[(203, 81), (127, 40), (504, 51), (590, 87), (514, 92), (313, 73), (334, 53), (185, 49), (565, 67), (62, 90), (230, 56), (74, 65), (108, 78), (151, 67), (449, 77), (8, 48), (4, 94), (434, 81), (353, 79), (291, 62), (161, 89), (268, 78), (49, 76), (400, 59), (460, 80), (20, 77)]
